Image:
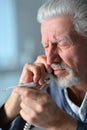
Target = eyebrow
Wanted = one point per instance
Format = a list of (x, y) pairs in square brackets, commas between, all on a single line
[(56, 39)]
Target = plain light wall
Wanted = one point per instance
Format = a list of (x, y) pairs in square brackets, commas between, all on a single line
[(29, 38), (20, 38)]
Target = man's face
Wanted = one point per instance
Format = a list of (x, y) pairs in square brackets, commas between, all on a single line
[(66, 51)]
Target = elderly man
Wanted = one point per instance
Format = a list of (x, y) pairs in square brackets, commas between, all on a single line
[(64, 105)]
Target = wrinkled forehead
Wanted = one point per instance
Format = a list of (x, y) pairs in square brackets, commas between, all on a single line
[(56, 27)]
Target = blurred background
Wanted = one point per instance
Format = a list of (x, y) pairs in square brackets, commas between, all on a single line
[(20, 39)]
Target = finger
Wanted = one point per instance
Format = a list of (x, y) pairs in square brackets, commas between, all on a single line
[(32, 96), (26, 76), (30, 117), (42, 59), (25, 116), (26, 106), (26, 91), (42, 73), (30, 104), (30, 72), (21, 90), (36, 104)]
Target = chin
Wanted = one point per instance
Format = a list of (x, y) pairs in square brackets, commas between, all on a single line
[(67, 81)]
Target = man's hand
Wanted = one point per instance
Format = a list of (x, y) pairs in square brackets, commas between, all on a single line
[(35, 72), (31, 72), (38, 108)]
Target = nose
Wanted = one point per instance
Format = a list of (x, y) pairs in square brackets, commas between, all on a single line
[(53, 55)]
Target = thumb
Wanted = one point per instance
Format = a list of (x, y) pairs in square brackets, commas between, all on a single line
[(19, 90)]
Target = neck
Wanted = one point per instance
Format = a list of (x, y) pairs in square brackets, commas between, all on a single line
[(77, 93)]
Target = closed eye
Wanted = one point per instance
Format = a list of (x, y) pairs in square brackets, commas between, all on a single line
[(45, 45), (64, 43)]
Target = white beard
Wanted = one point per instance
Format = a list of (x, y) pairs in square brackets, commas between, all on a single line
[(67, 81)]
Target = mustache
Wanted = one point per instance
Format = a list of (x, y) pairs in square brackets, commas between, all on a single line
[(60, 66)]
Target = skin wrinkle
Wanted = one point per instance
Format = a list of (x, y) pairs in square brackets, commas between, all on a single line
[(65, 44), (51, 31)]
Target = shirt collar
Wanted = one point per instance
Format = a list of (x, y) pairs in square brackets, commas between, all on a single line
[(79, 111)]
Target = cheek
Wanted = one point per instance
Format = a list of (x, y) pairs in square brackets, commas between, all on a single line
[(76, 60), (71, 59), (46, 52)]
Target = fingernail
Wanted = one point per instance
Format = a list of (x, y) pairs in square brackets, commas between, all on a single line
[(16, 89)]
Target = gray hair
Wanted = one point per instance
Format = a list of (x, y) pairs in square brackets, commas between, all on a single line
[(77, 9)]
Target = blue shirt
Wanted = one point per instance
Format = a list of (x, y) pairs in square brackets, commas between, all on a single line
[(59, 97), (79, 111)]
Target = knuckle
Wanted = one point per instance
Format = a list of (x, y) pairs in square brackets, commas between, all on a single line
[(40, 108), (39, 59), (33, 117), (37, 67), (21, 104), (46, 98), (26, 65), (26, 94)]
